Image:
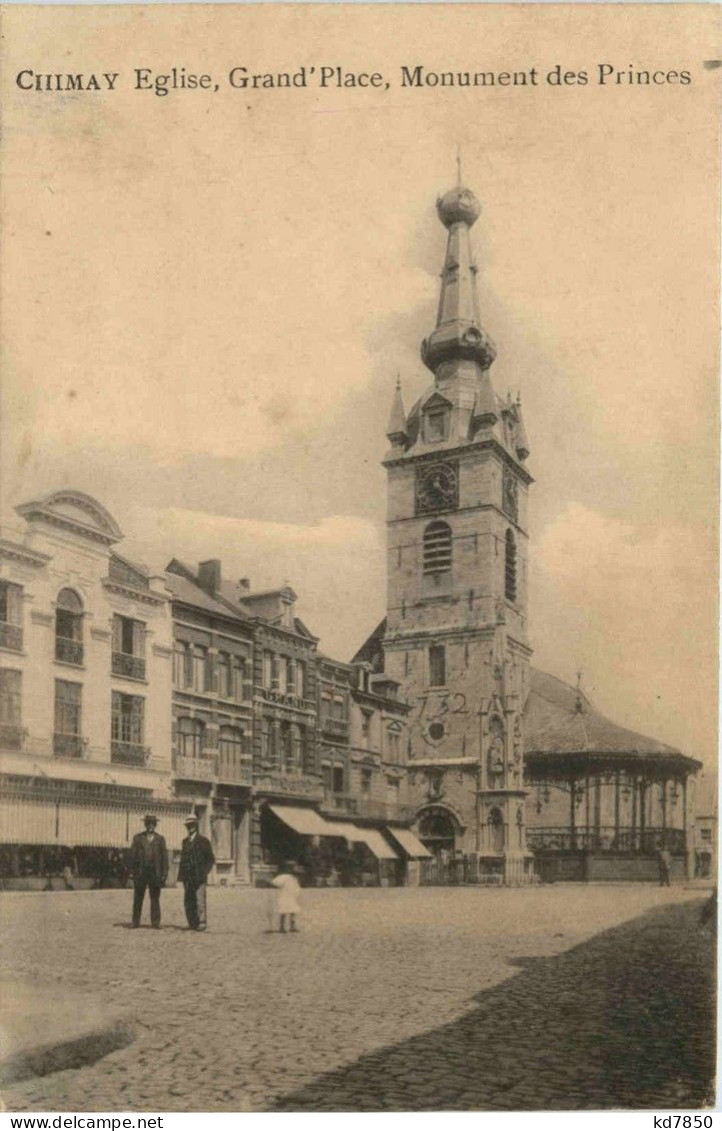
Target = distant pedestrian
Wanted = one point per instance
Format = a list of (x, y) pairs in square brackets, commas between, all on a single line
[(196, 861), (149, 864), (288, 891), (664, 860)]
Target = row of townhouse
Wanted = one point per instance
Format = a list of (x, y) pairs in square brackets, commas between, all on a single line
[(123, 692)]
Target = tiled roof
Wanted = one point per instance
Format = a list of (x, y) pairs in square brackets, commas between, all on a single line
[(559, 719), (185, 590)]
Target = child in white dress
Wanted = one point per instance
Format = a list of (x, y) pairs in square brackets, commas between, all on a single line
[(288, 891)]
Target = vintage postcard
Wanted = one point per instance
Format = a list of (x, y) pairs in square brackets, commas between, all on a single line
[(358, 561)]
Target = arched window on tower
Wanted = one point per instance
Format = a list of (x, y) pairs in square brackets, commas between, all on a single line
[(510, 567), (437, 548)]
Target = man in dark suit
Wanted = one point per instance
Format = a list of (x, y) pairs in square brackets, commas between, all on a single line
[(149, 865), (196, 861)]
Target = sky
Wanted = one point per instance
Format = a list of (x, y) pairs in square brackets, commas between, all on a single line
[(207, 300)]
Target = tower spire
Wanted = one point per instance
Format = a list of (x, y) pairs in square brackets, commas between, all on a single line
[(459, 334), (396, 431)]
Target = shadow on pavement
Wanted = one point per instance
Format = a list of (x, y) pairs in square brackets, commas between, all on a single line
[(625, 1020)]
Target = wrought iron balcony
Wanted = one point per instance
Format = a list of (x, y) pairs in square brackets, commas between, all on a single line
[(11, 636), (335, 726), (235, 769), (69, 745), (276, 781), (129, 753), (12, 737), (195, 769), (68, 651), (131, 666), (339, 802)]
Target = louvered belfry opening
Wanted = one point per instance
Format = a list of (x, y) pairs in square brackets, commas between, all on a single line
[(510, 567), (437, 548)]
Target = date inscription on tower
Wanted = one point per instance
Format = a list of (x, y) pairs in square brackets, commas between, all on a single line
[(437, 488)]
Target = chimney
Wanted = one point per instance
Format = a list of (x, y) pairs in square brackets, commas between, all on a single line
[(209, 575)]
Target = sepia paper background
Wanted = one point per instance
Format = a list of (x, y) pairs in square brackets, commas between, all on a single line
[(207, 296)]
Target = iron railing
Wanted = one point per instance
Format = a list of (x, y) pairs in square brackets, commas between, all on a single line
[(12, 736), (68, 651), (127, 665), (195, 769), (625, 839), (11, 636), (129, 753), (340, 802), (235, 769), (69, 745)]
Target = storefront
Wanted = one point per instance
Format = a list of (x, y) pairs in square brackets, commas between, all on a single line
[(326, 853), (52, 838)]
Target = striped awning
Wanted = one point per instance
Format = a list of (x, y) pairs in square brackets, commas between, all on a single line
[(410, 844), (86, 823), (304, 821), (381, 849)]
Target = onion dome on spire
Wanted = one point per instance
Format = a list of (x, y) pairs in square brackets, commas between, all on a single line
[(397, 428), (459, 334)]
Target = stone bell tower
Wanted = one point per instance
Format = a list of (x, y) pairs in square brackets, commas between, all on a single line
[(456, 628)]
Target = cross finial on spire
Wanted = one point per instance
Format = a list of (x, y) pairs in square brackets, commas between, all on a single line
[(579, 705)]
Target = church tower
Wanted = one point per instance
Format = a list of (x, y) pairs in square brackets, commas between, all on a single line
[(456, 628)]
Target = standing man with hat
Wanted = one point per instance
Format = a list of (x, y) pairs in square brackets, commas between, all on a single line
[(149, 864), (196, 861)]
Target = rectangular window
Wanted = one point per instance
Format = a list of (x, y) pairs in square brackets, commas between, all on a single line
[(337, 780), (128, 647), (223, 668), (68, 707), (275, 672), (11, 597), (338, 709), (290, 676), (10, 712), (267, 666), (365, 781), (200, 668), (301, 679), (436, 424), (128, 636), (127, 719), (239, 691), (437, 665)]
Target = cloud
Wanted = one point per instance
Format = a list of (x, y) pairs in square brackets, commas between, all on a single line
[(634, 607)]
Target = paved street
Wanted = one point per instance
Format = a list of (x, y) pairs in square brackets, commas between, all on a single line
[(561, 997)]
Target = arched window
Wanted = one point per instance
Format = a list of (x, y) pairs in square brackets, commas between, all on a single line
[(437, 548), (69, 627), (190, 738), (510, 567)]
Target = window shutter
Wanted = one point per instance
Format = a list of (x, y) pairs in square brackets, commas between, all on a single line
[(117, 632), (138, 638)]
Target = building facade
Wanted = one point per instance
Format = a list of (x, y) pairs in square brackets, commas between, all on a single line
[(212, 711), (85, 671)]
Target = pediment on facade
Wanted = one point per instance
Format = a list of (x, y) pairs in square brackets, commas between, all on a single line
[(74, 511)]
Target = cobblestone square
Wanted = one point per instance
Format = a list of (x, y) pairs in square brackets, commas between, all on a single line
[(391, 999)]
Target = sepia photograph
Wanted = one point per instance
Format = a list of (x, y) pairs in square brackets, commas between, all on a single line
[(359, 558)]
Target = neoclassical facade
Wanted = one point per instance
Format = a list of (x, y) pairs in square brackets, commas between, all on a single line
[(85, 677)]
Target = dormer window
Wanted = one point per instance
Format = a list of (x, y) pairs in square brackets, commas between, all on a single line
[(435, 424)]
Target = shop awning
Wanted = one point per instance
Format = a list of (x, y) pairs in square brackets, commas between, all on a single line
[(381, 849), (304, 821), (344, 829), (409, 843)]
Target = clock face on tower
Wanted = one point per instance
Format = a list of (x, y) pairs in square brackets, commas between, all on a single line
[(437, 488)]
